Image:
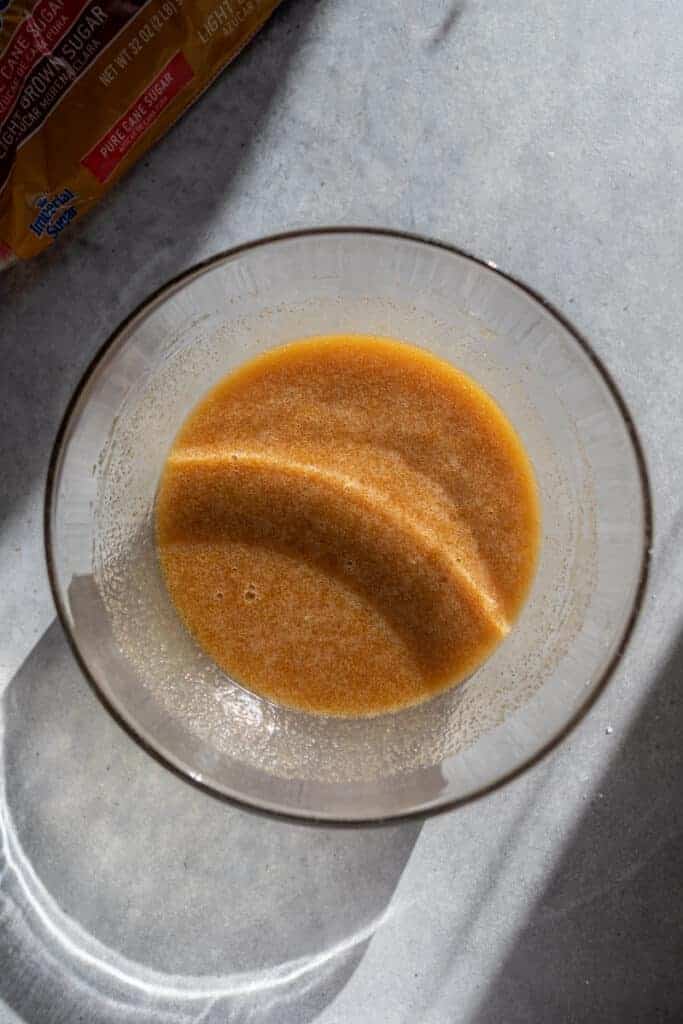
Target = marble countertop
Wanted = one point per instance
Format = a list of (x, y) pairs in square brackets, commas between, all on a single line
[(545, 136)]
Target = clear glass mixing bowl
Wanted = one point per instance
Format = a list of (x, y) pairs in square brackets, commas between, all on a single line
[(127, 636)]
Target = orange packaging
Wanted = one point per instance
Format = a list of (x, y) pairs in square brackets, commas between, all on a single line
[(87, 87)]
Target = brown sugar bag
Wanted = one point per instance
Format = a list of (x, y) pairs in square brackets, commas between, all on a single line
[(87, 87)]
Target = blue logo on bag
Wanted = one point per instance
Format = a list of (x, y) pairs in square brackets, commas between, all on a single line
[(4, 4)]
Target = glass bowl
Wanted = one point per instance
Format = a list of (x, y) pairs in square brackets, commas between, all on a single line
[(130, 642)]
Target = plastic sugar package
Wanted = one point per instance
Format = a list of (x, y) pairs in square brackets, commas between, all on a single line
[(87, 87)]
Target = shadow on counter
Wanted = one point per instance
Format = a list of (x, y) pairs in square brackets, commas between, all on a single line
[(604, 941), (127, 894)]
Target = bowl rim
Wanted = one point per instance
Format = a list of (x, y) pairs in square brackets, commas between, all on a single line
[(165, 757)]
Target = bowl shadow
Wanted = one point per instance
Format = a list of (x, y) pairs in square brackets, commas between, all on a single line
[(128, 894)]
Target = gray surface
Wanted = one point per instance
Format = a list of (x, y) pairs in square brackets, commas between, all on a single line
[(546, 136)]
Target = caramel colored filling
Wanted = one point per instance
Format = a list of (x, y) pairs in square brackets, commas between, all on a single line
[(347, 525)]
